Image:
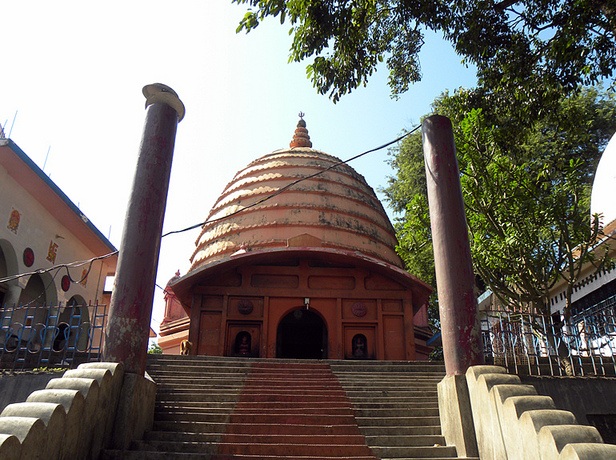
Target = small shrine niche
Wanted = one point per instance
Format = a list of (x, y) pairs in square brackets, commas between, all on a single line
[(243, 344), (360, 346)]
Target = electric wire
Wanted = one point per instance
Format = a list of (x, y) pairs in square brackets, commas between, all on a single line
[(264, 199), (58, 267)]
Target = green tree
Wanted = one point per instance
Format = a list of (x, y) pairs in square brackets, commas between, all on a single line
[(155, 349), (526, 191), (526, 48)]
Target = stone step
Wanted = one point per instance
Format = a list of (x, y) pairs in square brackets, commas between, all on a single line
[(250, 405), (188, 397), (339, 367), (340, 411), (197, 447), (188, 374), (195, 364), (261, 438), (415, 452), (207, 372), (348, 411), (255, 448), (421, 430), (168, 416), (426, 390), (397, 421), (385, 404), (257, 418), (401, 386), (394, 393), (206, 368), (381, 368), (196, 361), (374, 375), (294, 398), (400, 383), (203, 405), (431, 458), (409, 440), (183, 380), (306, 391), (407, 385), (193, 383), (205, 394), (380, 398), (110, 454), (187, 378), (246, 428), (296, 450), (150, 455), (193, 410), (322, 406), (396, 413), (410, 388), (288, 384)]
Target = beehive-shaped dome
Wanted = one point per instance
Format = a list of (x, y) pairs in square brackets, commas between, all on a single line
[(297, 197)]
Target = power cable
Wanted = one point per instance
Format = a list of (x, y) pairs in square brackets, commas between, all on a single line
[(58, 267), (269, 197)]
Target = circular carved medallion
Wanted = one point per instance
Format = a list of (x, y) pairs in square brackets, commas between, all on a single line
[(245, 307), (359, 309)]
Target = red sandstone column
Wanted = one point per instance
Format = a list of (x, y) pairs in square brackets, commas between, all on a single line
[(460, 328), (128, 325)]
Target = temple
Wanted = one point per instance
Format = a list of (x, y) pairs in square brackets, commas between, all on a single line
[(297, 260)]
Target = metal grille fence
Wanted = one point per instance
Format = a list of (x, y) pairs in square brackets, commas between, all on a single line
[(40, 336), (538, 345)]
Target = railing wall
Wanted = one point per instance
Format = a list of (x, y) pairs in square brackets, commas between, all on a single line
[(538, 345), (50, 336)]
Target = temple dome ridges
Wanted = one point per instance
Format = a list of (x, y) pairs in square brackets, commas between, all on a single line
[(336, 207)]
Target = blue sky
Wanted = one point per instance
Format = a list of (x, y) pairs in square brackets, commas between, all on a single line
[(71, 86)]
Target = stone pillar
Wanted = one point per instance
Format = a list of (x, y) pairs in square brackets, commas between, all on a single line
[(455, 280), (128, 325)]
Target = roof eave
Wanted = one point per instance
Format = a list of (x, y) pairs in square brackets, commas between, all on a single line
[(183, 285), (103, 245)]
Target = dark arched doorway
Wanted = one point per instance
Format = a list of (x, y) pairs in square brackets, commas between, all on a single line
[(302, 334)]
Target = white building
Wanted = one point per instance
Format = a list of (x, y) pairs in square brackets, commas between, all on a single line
[(42, 235), (595, 288)]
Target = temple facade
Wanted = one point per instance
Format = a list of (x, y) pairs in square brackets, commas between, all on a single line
[(297, 260)]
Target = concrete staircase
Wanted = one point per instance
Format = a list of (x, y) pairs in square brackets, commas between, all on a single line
[(396, 407), (225, 408)]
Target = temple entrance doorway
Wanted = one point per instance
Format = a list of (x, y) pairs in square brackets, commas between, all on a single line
[(301, 334)]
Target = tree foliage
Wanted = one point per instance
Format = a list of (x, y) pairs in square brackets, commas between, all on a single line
[(526, 191), (155, 349), (525, 48)]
